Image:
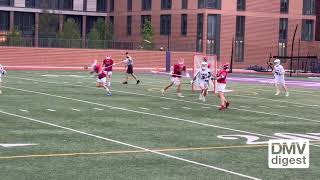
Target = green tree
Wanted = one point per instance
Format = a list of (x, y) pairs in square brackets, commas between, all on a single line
[(70, 35), (48, 25), (109, 35), (14, 38), (147, 34), (94, 38), (101, 34)]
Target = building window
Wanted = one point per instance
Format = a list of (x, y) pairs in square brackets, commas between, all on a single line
[(6, 2), (50, 4), (283, 29), (144, 19), (209, 4), (146, 5), (307, 30), (101, 6), (184, 4), (4, 21), (25, 22), (129, 25), (309, 7), (129, 5), (318, 28), (165, 24), (239, 43), (241, 5), (111, 19), (213, 34), (199, 43), (184, 24), (111, 6), (166, 4), (284, 6)]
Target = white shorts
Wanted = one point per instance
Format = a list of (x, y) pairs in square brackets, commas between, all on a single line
[(204, 85), (221, 87), (176, 81), (102, 81), (109, 73), (279, 80)]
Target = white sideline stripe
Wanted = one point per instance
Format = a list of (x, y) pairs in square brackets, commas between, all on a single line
[(164, 108), (281, 106), (139, 112), (73, 109), (134, 146), (144, 108), (98, 109), (193, 102), (186, 108), (52, 110), (23, 110)]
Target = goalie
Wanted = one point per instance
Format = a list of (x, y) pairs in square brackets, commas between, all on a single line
[(2, 73), (203, 77)]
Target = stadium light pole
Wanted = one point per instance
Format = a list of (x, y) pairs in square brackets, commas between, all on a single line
[(231, 58)]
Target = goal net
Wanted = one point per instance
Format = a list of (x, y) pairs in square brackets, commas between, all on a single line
[(212, 62)]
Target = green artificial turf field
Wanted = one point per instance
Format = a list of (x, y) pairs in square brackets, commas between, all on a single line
[(76, 132)]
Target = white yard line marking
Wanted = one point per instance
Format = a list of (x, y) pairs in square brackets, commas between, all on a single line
[(52, 110), (192, 102), (264, 107), (98, 109), (246, 107), (150, 114), (23, 110), (186, 108), (134, 146), (204, 107), (282, 106), (144, 108), (164, 108), (73, 109)]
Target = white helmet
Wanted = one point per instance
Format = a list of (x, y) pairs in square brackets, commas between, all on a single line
[(204, 65), (277, 61)]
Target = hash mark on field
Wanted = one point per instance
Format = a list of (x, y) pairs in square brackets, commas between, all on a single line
[(52, 110), (144, 108), (281, 106), (247, 107), (164, 108), (23, 110), (98, 109), (73, 109), (186, 108)]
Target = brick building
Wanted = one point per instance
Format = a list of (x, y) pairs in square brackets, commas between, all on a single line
[(258, 27)]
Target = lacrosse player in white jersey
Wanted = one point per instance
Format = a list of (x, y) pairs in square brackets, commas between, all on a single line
[(279, 73), (2, 73), (203, 77)]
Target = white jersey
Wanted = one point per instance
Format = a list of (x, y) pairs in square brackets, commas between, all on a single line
[(2, 72), (128, 61), (204, 75), (279, 71)]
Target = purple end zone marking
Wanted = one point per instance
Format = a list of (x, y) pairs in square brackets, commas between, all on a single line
[(291, 83)]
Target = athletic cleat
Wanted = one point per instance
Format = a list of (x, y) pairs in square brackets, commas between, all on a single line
[(277, 93), (109, 94), (180, 95), (0, 92), (222, 108), (200, 97), (125, 82), (227, 104), (287, 94), (138, 82), (203, 99), (162, 92)]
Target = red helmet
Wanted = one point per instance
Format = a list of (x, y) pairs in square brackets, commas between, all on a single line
[(205, 59), (181, 61), (225, 66)]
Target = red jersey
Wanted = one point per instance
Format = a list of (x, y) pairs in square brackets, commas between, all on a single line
[(102, 75), (98, 70), (107, 63), (177, 70), (223, 76)]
